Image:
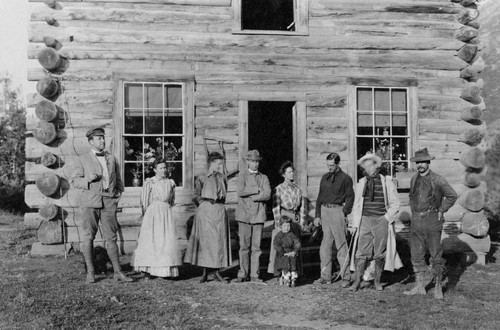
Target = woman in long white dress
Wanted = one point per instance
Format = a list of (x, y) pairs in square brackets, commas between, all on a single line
[(157, 252)]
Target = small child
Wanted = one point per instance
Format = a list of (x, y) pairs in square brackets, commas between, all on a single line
[(287, 247)]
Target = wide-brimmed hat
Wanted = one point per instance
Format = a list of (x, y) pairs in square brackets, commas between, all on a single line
[(95, 131), (253, 155), (422, 155), (370, 156)]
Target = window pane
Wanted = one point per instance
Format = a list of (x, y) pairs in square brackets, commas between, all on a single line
[(174, 170), (133, 148), (382, 124), (173, 148), (400, 149), (133, 96), (399, 100), (152, 152), (382, 100), (173, 96), (383, 148), (399, 167), (132, 170), (364, 146), (133, 121), (364, 99), (154, 122), (154, 96), (365, 124), (399, 124), (267, 15), (173, 121)]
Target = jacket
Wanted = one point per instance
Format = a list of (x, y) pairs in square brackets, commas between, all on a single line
[(444, 194), (253, 192), (91, 193), (392, 260)]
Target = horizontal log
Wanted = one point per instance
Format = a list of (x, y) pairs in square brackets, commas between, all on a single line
[(475, 224), (442, 126), (472, 137), (473, 158), (453, 243), (70, 199), (473, 200), (466, 33), (467, 53), (472, 180), (472, 115), (224, 3), (455, 213), (472, 94)]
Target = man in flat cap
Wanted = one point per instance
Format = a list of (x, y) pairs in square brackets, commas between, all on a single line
[(376, 205), (97, 176), (253, 191), (430, 197)]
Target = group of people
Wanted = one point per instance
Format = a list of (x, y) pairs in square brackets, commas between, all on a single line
[(374, 204)]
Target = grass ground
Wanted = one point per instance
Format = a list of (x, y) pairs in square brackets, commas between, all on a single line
[(49, 293)]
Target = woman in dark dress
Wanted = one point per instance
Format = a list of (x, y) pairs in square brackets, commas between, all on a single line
[(209, 244)]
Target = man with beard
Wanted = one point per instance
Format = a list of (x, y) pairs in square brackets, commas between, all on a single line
[(430, 197)]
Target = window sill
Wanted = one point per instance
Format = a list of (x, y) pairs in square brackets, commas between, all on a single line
[(267, 32)]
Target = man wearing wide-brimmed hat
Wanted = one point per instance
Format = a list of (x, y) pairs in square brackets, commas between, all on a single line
[(430, 197), (253, 191), (376, 205), (97, 176)]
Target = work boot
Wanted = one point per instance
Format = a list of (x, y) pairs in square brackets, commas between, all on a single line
[(112, 249), (87, 249), (358, 274), (379, 268), (438, 289), (419, 287)]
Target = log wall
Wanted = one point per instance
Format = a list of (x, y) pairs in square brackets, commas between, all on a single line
[(432, 43)]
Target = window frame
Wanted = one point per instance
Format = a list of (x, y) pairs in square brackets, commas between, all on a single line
[(301, 20), (187, 84), (412, 119)]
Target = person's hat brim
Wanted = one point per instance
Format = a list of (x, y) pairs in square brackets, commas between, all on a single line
[(377, 159), (422, 159)]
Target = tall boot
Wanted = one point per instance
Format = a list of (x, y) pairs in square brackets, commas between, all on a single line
[(419, 287), (112, 248), (87, 249), (379, 268), (438, 289), (358, 274)]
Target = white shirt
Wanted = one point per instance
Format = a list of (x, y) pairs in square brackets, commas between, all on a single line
[(105, 173)]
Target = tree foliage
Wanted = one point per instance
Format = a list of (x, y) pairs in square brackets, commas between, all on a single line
[(12, 147)]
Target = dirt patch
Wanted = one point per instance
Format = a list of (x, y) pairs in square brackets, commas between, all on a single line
[(49, 293)]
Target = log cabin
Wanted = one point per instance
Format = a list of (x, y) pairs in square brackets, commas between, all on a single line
[(295, 79)]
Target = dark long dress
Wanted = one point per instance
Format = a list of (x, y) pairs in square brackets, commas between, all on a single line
[(209, 244)]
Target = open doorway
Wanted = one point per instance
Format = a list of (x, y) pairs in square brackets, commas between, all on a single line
[(270, 130)]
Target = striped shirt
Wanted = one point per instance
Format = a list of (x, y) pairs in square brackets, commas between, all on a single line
[(375, 207)]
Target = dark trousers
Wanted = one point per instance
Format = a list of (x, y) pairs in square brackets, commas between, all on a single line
[(425, 235), (372, 241), (250, 237)]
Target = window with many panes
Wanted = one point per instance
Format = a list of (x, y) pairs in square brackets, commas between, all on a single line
[(153, 127), (382, 126)]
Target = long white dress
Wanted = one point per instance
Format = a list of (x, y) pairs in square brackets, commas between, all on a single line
[(157, 250)]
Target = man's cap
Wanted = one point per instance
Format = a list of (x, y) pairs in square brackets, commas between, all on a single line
[(96, 131)]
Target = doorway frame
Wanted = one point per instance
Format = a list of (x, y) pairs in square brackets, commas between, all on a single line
[(299, 133)]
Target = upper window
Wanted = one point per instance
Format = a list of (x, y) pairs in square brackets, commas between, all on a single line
[(270, 16), (153, 127), (382, 126)]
